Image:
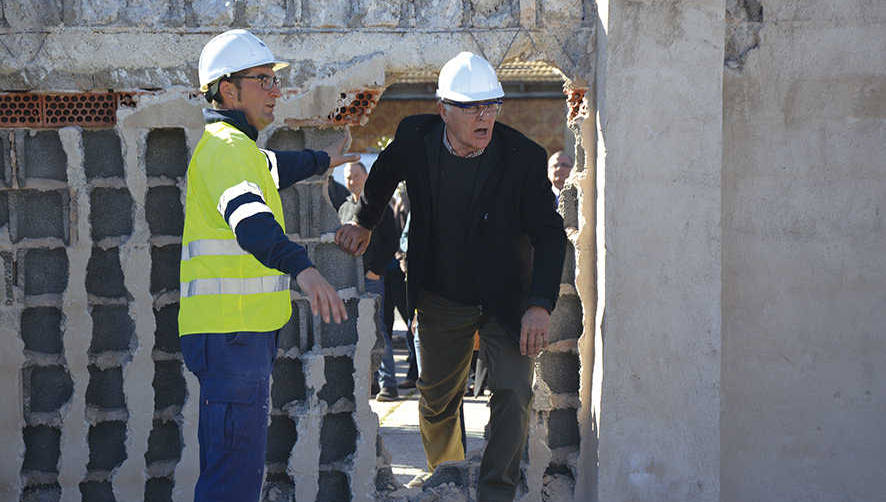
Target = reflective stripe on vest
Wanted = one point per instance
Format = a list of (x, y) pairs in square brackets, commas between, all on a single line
[(204, 247), (235, 286)]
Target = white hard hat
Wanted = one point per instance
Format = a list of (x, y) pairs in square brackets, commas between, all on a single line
[(468, 77), (232, 51)]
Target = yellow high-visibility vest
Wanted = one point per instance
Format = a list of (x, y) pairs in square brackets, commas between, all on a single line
[(224, 288)]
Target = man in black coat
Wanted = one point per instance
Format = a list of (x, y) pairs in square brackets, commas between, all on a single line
[(485, 253)]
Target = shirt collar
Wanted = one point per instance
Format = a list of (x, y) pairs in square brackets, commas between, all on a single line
[(235, 118), (470, 155)]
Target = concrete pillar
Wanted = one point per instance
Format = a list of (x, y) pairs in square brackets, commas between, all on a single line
[(659, 96)]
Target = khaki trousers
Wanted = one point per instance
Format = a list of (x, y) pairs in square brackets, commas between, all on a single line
[(446, 342)]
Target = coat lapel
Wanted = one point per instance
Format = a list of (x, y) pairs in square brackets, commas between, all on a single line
[(433, 142)]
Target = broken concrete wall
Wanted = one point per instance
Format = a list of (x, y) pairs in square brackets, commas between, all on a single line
[(659, 150), (741, 313), (804, 307)]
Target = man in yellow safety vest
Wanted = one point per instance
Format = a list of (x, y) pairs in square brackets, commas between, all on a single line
[(237, 262)]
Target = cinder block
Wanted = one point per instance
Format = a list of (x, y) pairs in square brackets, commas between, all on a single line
[(282, 435), (7, 277), (102, 155), (338, 267), (164, 442), (278, 486), (568, 274), (166, 153), (111, 212), (39, 214), (4, 209), (438, 14), (112, 328), (5, 158), (159, 490), (38, 15), (333, 487), (494, 13), (104, 276), (166, 337), (105, 388), (107, 448), (338, 437), (381, 13), (335, 335), (164, 268), (339, 372), (44, 157), (170, 388), (49, 387), (97, 491), (291, 210), (46, 271), (560, 371), (42, 448), (289, 335), (330, 14), (285, 138), (42, 493), (566, 319), (289, 382), (164, 211), (563, 428), (317, 216), (41, 329)]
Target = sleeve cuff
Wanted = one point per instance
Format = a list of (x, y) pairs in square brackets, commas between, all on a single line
[(538, 301)]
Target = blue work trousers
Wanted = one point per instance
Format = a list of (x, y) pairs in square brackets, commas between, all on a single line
[(387, 377), (234, 371)]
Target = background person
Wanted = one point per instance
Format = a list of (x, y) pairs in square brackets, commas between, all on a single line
[(559, 167)]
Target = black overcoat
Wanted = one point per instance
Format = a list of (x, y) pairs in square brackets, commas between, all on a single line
[(516, 236)]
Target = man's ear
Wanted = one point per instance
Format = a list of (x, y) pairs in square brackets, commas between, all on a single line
[(441, 110), (228, 91)]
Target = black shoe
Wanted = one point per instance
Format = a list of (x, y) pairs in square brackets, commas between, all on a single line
[(387, 394), (406, 384)]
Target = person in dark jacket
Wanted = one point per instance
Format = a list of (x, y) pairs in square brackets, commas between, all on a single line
[(376, 262), (485, 253)]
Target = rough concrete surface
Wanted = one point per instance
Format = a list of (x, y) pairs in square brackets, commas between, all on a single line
[(725, 315)]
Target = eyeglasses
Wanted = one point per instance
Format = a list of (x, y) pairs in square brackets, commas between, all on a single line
[(477, 109), (266, 82)]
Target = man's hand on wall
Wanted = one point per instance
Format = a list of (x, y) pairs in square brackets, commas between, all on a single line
[(324, 300), (352, 238), (534, 330), (336, 151)]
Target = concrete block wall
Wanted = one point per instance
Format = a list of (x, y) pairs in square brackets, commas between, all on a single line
[(90, 224), (90, 241)]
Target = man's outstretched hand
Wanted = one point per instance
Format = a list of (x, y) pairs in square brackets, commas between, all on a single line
[(534, 330), (352, 238), (325, 302), (336, 151)]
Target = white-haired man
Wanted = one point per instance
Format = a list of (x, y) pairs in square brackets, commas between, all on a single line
[(479, 197)]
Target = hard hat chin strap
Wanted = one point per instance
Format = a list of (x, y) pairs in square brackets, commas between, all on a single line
[(213, 92)]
